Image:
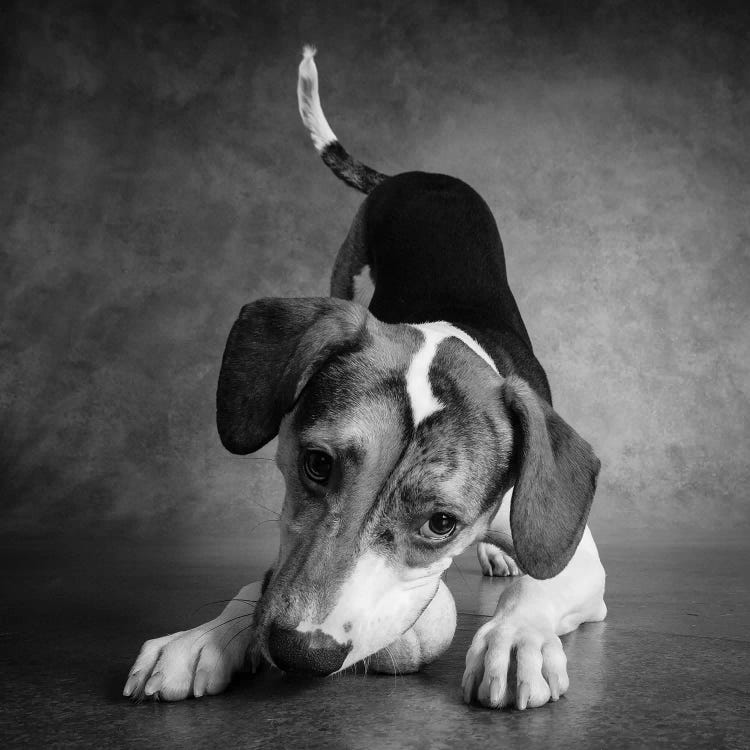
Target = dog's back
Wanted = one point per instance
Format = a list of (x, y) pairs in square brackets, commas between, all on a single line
[(437, 254), (430, 246)]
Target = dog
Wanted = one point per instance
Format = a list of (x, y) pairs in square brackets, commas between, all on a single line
[(413, 420)]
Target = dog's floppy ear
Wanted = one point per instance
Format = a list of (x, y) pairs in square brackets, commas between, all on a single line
[(555, 483), (273, 349)]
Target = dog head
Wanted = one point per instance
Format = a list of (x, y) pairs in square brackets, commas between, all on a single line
[(397, 443)]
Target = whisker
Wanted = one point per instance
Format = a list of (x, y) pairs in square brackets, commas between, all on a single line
[(226, 622), (278, 463), (395, 668), (240, 631), (224, 601), (258, 525), (227, 644), (273, 511), (248, 458)]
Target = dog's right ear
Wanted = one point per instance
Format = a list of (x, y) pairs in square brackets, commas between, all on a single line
[(556, 481), (273, 349)]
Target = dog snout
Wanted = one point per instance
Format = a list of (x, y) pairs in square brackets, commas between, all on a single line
[(308, 652)]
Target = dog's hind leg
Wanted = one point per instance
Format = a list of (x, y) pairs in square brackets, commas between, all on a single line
[(496, 558), (353, 276), (427, 639), (495, 561)]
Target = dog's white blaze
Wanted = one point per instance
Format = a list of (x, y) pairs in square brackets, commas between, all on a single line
[(363, 287), (446, 330), (423, 401), (376, 598), (308, 100)]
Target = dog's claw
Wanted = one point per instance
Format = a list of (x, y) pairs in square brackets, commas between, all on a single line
[(524, 693), (200, 683), (130, 685), (154, 683), (468, 687), (497, 691), (554, 687)]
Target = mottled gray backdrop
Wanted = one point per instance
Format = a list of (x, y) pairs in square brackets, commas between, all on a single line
[(154, 177)]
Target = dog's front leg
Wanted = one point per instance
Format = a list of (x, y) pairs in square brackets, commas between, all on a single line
[(525, 629), (200, 661)]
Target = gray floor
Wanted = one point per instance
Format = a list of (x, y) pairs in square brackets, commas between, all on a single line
[(669, 668)]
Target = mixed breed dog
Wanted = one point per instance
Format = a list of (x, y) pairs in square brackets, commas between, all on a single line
[(413, 420)]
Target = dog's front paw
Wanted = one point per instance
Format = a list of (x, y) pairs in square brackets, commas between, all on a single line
[(514, 664), (494, 562), (194, 662)]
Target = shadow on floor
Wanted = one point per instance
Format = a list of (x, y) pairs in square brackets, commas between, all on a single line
[(669, 668)]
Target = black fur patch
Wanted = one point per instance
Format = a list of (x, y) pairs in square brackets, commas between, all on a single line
[(273, 349), (354, 173)]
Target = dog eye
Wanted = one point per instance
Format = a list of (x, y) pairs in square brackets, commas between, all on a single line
[(440, 526), (318, 465)]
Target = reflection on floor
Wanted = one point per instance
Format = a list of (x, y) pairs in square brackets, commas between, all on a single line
[(669, 668)]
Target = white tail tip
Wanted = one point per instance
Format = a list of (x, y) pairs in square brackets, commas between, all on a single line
[(308, 99)]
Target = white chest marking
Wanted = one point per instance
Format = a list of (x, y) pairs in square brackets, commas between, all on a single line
[(423, 401)]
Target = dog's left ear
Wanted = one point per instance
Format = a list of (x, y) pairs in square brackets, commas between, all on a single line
[(556, 479), (274, 348)]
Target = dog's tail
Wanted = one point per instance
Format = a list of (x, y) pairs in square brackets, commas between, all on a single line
[(334, 155)]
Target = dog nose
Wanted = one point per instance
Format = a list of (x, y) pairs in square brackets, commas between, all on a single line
[(313, 653)]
